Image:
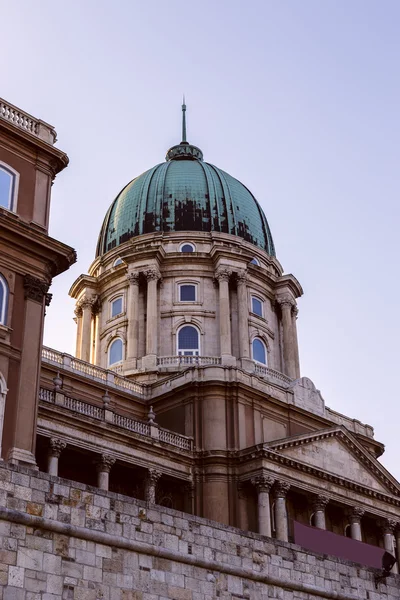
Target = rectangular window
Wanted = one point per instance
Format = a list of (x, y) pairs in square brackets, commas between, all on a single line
[(256, 306), (187, 293), (116, 307)]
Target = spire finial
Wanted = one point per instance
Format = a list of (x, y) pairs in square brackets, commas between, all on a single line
[(184, 140)]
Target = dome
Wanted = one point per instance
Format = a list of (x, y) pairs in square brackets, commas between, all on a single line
[(184, 194)]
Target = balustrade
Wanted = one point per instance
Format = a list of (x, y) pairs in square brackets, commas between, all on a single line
[(25, 121)]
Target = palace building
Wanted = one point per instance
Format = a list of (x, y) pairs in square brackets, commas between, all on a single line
[(186, 391)]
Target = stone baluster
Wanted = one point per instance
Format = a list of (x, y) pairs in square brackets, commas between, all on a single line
[(56, 446), (78, 318), (133, 318), (319, 505), (286, 303), (86, 303), (104, 465), (151, 485), (263, 484), (222, 275), (152, 276), (295, 312), (389, 526), (355, 522), (243, 316), (281, 520)]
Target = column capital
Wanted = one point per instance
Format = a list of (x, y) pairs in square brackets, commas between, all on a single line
[(78, 311), (86, 302), (320, 502), (56, 447), (153, 476), (389, 526), (285, 302), (241, 276), (104, 463), (356, 514), (295, 311), (152, 274), (262, 483), (281, 489), (133, 277), (34, 288), (223, 274)]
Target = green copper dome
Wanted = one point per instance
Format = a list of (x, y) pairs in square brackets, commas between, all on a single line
[(184, 194)]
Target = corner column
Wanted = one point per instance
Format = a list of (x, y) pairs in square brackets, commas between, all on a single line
[(55, 448), (133, 318), (281, 521), (319, 506), (151, 485), (355, 522), (78, 319), (86, 304), (263, 484), (295, 312), (104, 466), (389, 526), (243, 309), (150, 360), (222, 275), (286, 305)]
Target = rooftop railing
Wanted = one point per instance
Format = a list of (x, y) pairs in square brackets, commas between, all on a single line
[(25, 121), (177, 361), (272, 375)]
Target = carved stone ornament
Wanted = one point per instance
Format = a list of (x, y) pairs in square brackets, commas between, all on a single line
[(241, 276), (295, 311), (389, 525), (356, 514), (320, 502), (133, 278), (35, 289), (78, 311), (223, 274), (281, 489), (152, 274), (285, 302), (48, 298), (105, 463), (262, 483), (56, 447), (87, 302)]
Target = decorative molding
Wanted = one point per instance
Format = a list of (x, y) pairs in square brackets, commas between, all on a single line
[(35, 289)]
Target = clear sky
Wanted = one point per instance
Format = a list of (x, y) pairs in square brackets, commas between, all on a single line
[(298, 100)]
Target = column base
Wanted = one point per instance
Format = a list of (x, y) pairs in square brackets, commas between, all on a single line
[(227, 360), (19, 456), (149, 362)]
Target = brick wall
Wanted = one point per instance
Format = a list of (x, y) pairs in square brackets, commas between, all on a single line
[(61, 539)]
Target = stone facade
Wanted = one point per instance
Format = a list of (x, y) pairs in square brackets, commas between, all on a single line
[(64, 540)]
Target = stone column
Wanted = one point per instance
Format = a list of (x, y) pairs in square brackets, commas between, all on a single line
[(55, 448), (78, 318), (242, 516), (319, 505), (286, 303), (281, 521), (222, 275), (398, 546), (243, 316), (263, 484), (133, 318), (86, 303), (389, 526), (355, 522), (151, 485), (295, 312), (152, 276), (104, 465)]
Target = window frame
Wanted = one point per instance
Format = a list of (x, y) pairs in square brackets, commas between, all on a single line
[(4, 304), (259, 339), (119, 297), (261, 301), (117, 362), (187, 283), (193, 351), (187, 244), (13, 192), (255, 261)]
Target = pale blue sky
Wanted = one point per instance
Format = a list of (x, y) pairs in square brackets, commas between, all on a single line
[(299, 100)]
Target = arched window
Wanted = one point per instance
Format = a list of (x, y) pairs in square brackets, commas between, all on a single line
[(259, 351), (116, 306), (117, 261), (255, 261), (187, 247), (8, 187), (115, 352), (3, 300), (188, 341), (257, 306)]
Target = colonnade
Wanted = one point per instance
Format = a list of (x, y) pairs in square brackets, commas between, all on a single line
[(88, 321)]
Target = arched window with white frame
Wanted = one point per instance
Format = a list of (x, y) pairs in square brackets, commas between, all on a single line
[(3, 300), (259, 351), (117, 306), (257, 306), (8, 187), (115, 352), (188, 341)]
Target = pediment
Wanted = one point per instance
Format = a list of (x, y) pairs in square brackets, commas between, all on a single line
[(338, 453)]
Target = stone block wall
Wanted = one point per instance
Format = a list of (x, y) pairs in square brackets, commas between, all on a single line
[(64, 540)]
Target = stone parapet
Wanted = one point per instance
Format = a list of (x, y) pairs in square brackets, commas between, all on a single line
[(63, 539)]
